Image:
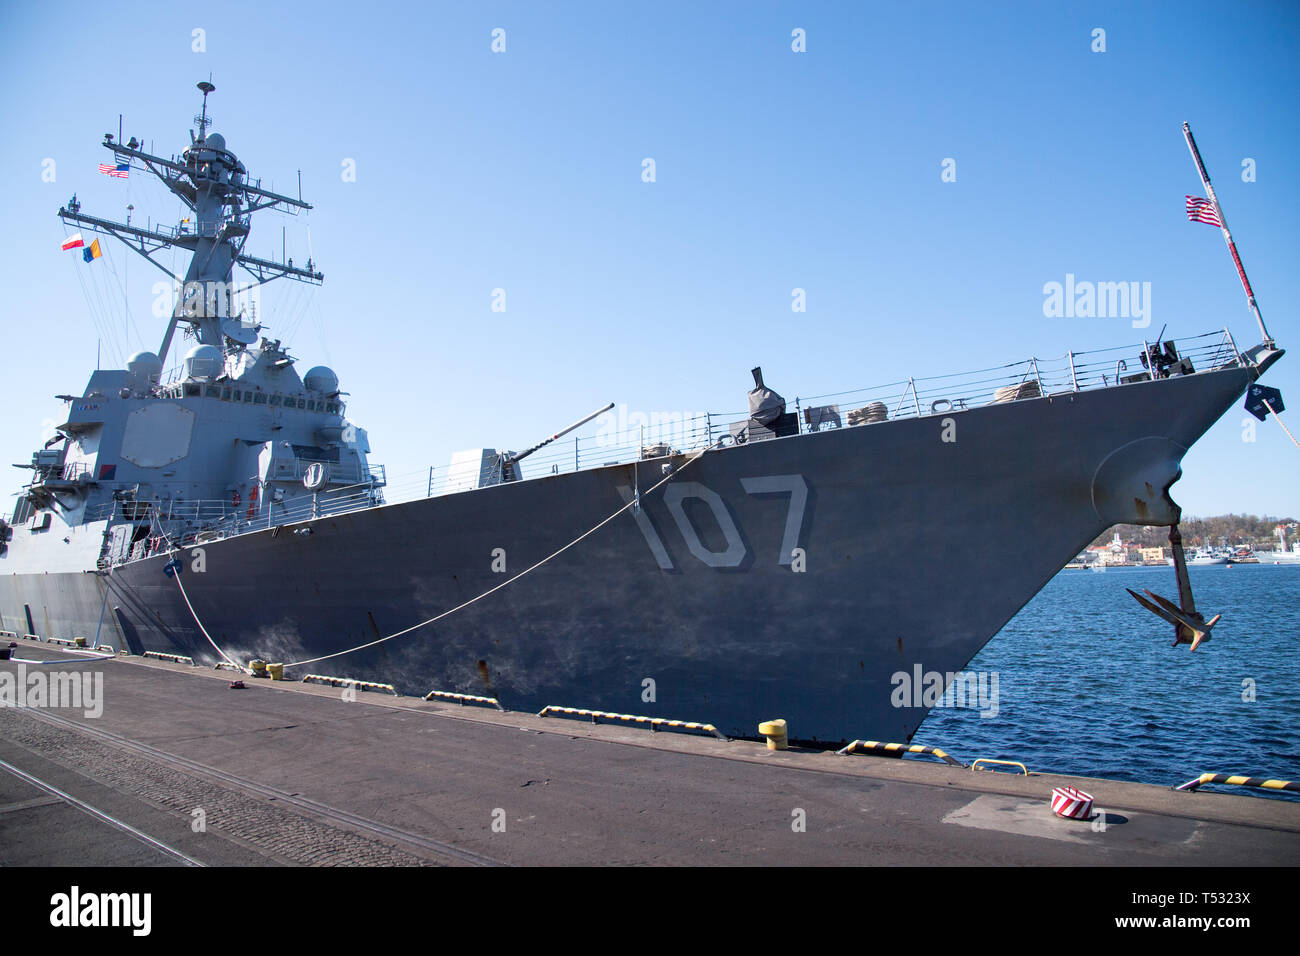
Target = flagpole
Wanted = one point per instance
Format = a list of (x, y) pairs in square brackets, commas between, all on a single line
[(1227, 236)]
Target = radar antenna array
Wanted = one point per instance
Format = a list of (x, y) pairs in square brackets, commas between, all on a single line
[(203, 119), (210, 180)]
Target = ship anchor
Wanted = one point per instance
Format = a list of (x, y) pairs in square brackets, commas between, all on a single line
[(1190, 626)]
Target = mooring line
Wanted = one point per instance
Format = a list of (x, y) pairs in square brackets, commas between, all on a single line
[(634, 502), (173, 550), (1277, 418), (229, 660), (176, 574), (85, 658)]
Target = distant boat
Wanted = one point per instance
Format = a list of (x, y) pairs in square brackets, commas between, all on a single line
[(1202, 556), (1279, 557), (1285, 553)]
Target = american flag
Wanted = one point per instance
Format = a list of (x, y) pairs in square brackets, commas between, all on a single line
[(1202, 210), (120, 170)]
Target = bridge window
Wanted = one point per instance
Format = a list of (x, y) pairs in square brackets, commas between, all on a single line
[(259, 399), (275, 399)]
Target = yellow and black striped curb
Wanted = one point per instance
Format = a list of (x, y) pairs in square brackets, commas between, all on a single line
[(1238, 781), (861, 746), (463, 699), (654, 723), (227, 666), (349, 682), (174, 658)]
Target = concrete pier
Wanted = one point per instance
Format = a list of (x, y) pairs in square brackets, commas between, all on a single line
[(179, 769)]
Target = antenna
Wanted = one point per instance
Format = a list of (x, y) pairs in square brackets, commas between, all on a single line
[(216, 202), (207, 88)]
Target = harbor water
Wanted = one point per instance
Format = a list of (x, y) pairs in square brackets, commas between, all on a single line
[(1089, 684)]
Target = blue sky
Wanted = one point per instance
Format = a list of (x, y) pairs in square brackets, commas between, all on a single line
[(774, 170)]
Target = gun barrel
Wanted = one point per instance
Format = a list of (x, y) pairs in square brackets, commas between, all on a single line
[(560, 434)]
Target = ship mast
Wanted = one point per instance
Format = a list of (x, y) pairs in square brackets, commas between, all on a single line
[(213, 183)]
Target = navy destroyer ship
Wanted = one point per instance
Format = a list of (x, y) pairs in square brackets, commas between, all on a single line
[(775, 564)]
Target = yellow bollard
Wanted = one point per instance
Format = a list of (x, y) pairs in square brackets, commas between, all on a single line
[(275, 671), (79, 641), (258, 668), (776, 733)]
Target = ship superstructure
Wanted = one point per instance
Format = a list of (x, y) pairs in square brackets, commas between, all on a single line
[(238, 433)]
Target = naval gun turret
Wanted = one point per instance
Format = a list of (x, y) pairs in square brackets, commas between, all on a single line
[(483, 467), (509, 461)]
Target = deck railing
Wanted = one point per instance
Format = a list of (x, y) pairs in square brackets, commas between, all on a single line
[(654, 435), (186, 523), (645, 437)]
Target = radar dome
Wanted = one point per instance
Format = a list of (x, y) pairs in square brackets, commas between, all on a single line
[(203, 361), (321, 379), (214, 141), (145, 368)]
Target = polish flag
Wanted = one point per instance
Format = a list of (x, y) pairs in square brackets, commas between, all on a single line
[(72, 242)]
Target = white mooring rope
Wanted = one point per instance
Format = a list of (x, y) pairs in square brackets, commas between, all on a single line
[(173, 551), (1277, 418), (509, 581), (177, 576), (315, 660)]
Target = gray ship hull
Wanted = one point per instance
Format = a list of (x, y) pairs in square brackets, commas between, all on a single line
[(701, 608)]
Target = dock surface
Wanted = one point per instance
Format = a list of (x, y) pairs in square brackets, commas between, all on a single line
[(179, 769)]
